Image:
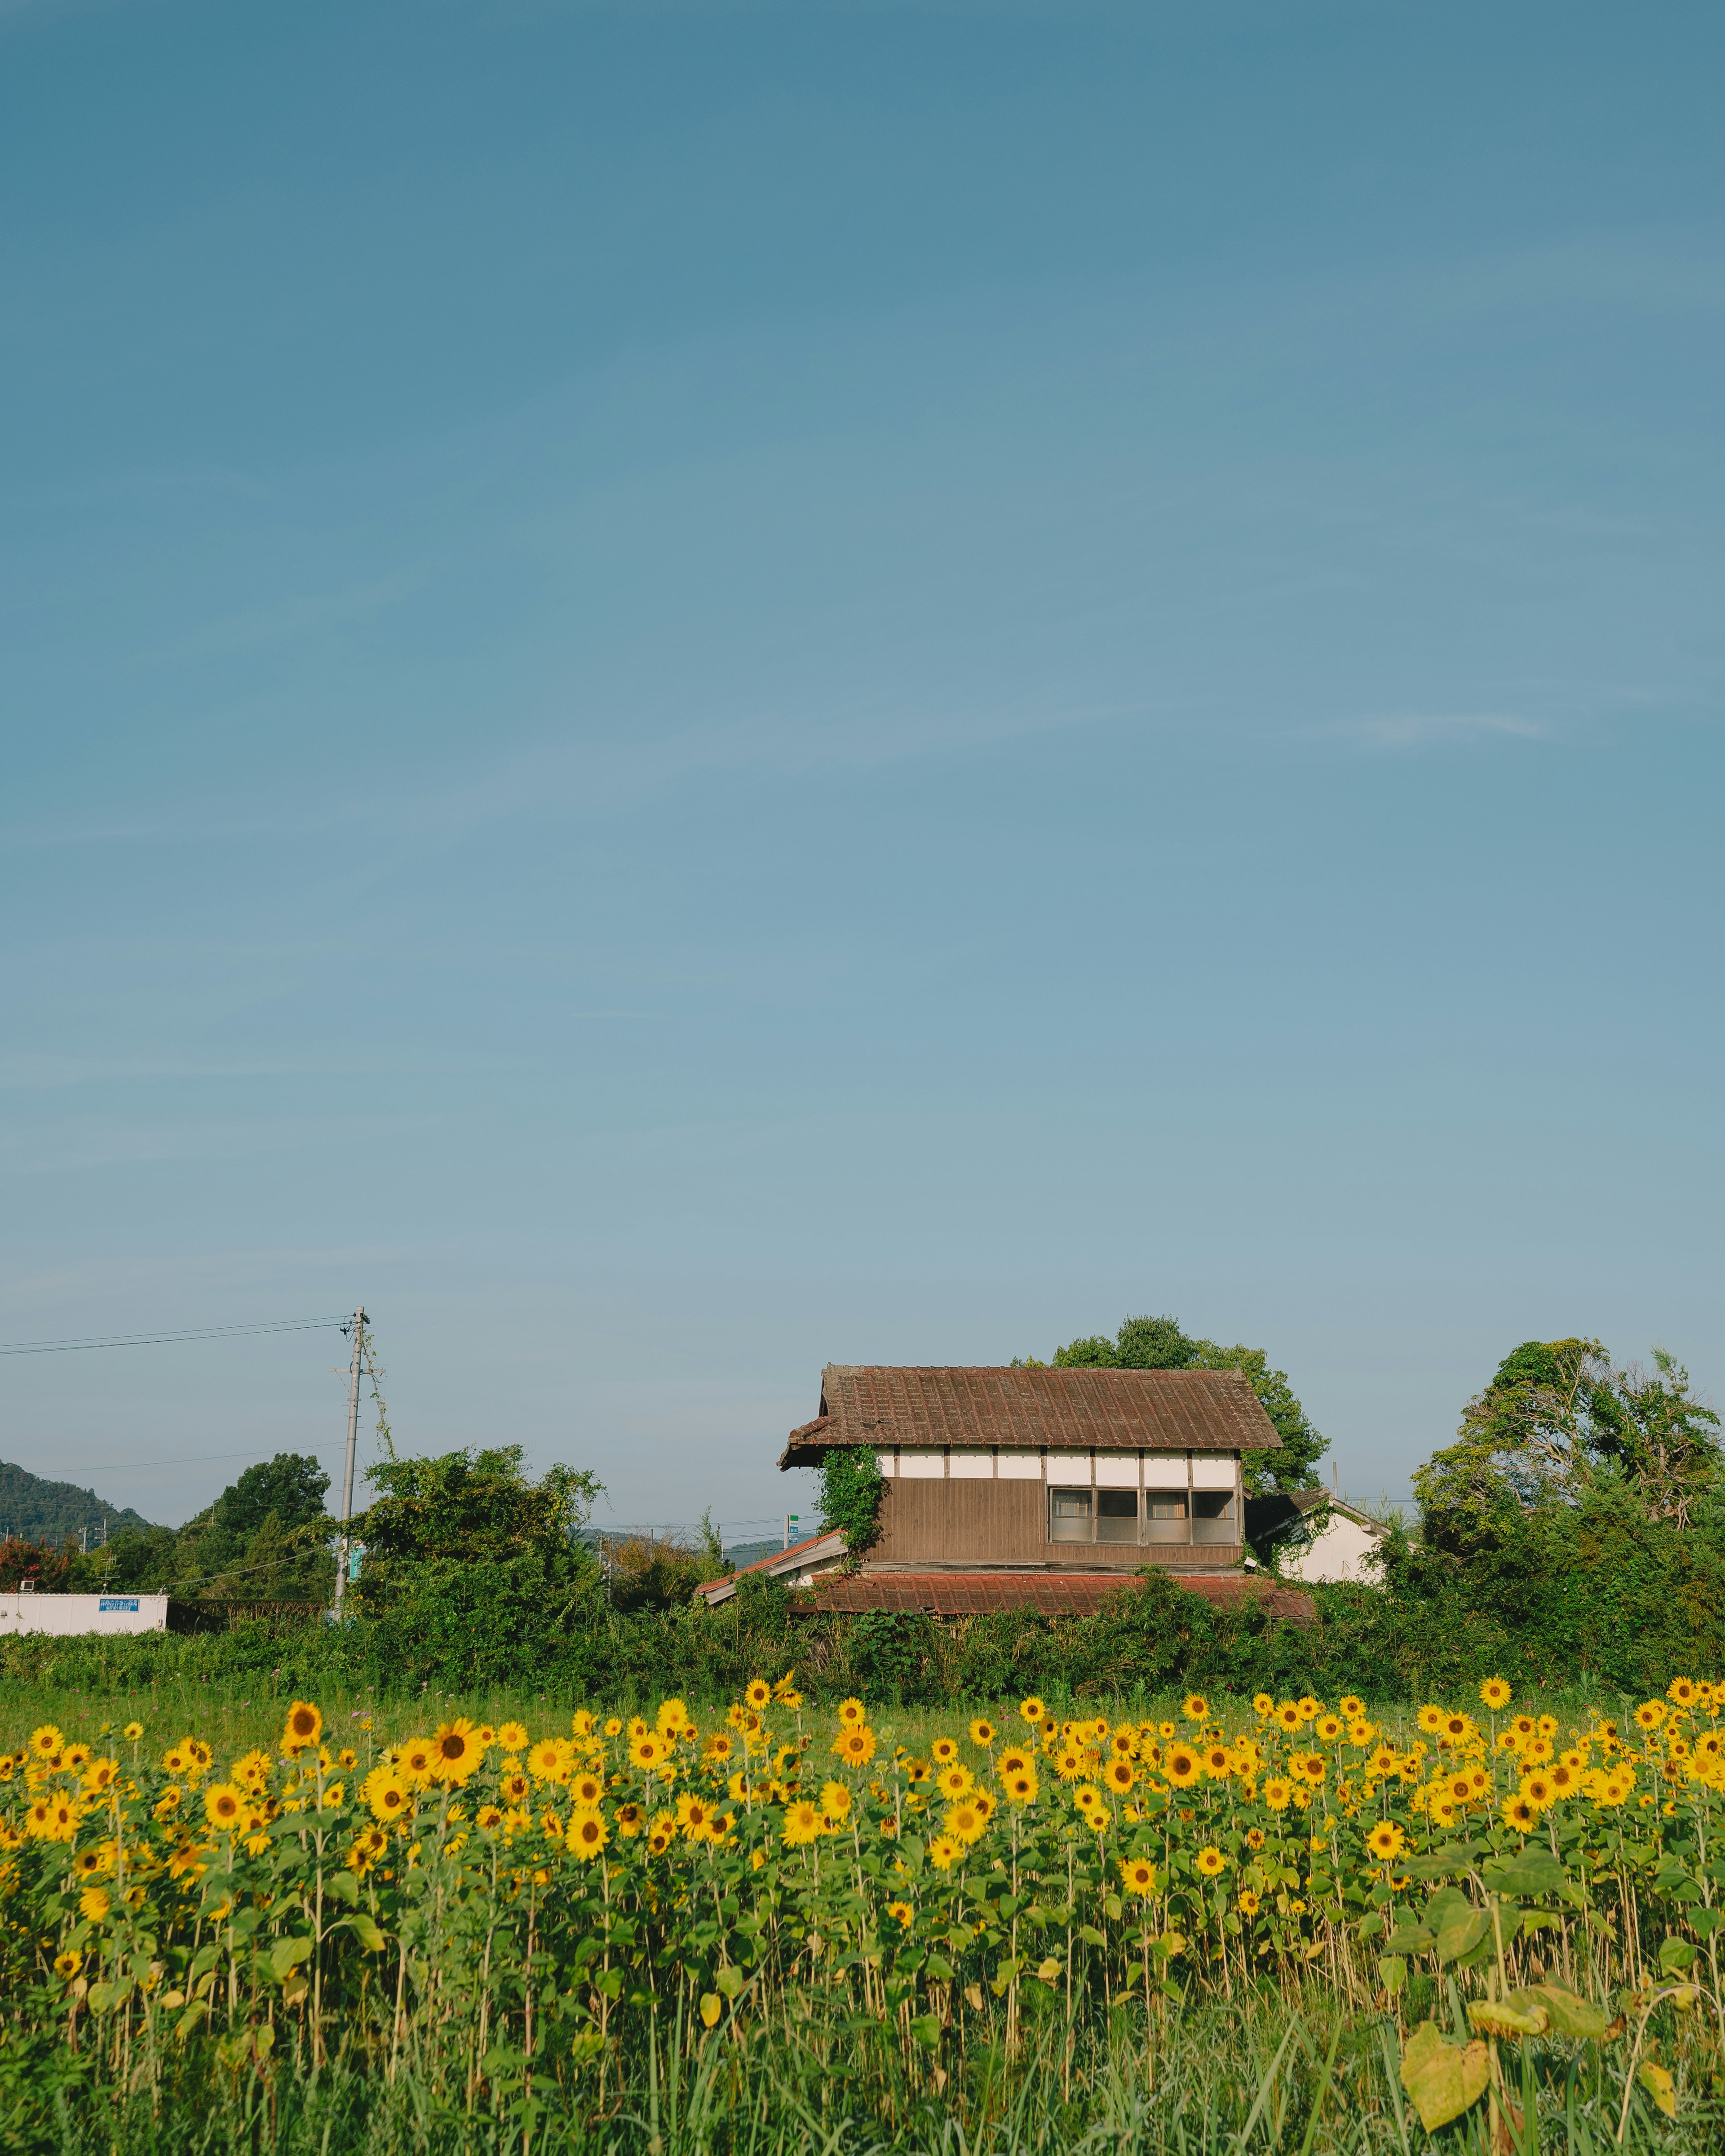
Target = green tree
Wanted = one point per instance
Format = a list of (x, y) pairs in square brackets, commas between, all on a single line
[(1557, 1416), (474, 1507), (291, 1486), (1160, 1343)]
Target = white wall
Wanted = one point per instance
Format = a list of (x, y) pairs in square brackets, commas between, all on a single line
[(82, 1613), (1338, 1554)]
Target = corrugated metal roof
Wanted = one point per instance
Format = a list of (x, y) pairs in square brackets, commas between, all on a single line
[(1051, 1594), (813, 1549), (1110, 1410)]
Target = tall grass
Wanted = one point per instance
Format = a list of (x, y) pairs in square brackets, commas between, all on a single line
[(1275, 2075)]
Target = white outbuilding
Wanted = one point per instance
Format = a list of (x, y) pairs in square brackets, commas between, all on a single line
[(21, 1611), (1344, 1548)]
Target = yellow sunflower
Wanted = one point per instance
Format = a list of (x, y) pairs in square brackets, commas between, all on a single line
[(223, 1805), (304, 1726), (588, 1834), (387, 1793), (1181, 1766), (1496, 1694), (455, 1753)]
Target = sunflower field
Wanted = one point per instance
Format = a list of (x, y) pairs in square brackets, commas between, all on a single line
[(1474, 1926)]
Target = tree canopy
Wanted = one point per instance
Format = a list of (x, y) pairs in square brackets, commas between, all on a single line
[(1161, 1343), (1558, 1417), (291, 1486), (475, 1507)]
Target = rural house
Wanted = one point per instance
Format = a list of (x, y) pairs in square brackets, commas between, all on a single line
[(1041, 1488)]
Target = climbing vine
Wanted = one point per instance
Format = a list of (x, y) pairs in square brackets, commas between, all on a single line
[(850, 1490)]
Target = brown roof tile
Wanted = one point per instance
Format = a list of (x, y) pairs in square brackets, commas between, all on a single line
[(1051, 1594), (1158, 1410)]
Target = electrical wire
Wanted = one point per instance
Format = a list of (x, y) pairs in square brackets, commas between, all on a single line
[(157, 1339), (125, 1467)]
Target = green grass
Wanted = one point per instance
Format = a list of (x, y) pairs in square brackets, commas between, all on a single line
[(1269, 2078)]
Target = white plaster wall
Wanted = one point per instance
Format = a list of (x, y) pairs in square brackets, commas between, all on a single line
[(1339, 1553)]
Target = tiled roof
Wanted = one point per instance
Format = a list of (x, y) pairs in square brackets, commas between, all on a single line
[(1052, 1593), (1156, 1410)]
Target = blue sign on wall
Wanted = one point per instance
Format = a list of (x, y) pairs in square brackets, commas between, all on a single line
[(118, 1602)]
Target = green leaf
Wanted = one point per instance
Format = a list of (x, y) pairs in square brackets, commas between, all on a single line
[(206, 1957), (1530, 1876), (366, 1931), (103, 1998), (286, 1955), (1091, 1937), (940, 1969), (1675, 1956), (1569, 2015), (1462, 1935), (1443, 2079), (342, 1886), (927, 2031), (1409, 1939), (1392, 1973), (1443, 1863), (729, 1980)]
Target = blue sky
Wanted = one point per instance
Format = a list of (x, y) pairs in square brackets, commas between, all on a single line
[(690, 690)]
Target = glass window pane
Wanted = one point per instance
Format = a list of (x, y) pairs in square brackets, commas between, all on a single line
[(1069, 1516)]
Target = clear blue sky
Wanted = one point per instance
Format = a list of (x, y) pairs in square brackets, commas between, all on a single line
[(694, 690)]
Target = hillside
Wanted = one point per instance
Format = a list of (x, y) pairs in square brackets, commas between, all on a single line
[(44, 1512)]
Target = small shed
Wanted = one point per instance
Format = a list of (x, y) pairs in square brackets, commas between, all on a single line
[(1344, 1550)]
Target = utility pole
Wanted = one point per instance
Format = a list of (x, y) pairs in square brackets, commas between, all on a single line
[(359, 1338)]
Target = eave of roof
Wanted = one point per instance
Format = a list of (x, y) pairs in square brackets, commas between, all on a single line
[(890, 1408), (1049, 1594)]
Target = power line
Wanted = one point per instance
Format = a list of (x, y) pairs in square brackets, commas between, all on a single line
[(125, 1466), (157, 1339)]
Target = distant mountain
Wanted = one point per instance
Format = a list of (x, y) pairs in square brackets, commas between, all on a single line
[(44, 1512)]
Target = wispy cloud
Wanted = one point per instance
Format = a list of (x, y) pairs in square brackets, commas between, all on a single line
[(1438, 728)]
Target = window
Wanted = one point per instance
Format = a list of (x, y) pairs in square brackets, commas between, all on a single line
[(1212, 1517), (1167, 1513), (1069, 1516), (1117, 1516)]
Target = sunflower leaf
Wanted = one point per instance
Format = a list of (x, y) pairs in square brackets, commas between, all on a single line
[(1442, 2078)]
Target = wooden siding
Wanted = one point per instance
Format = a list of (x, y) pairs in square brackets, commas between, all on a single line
[(967, 1522)]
